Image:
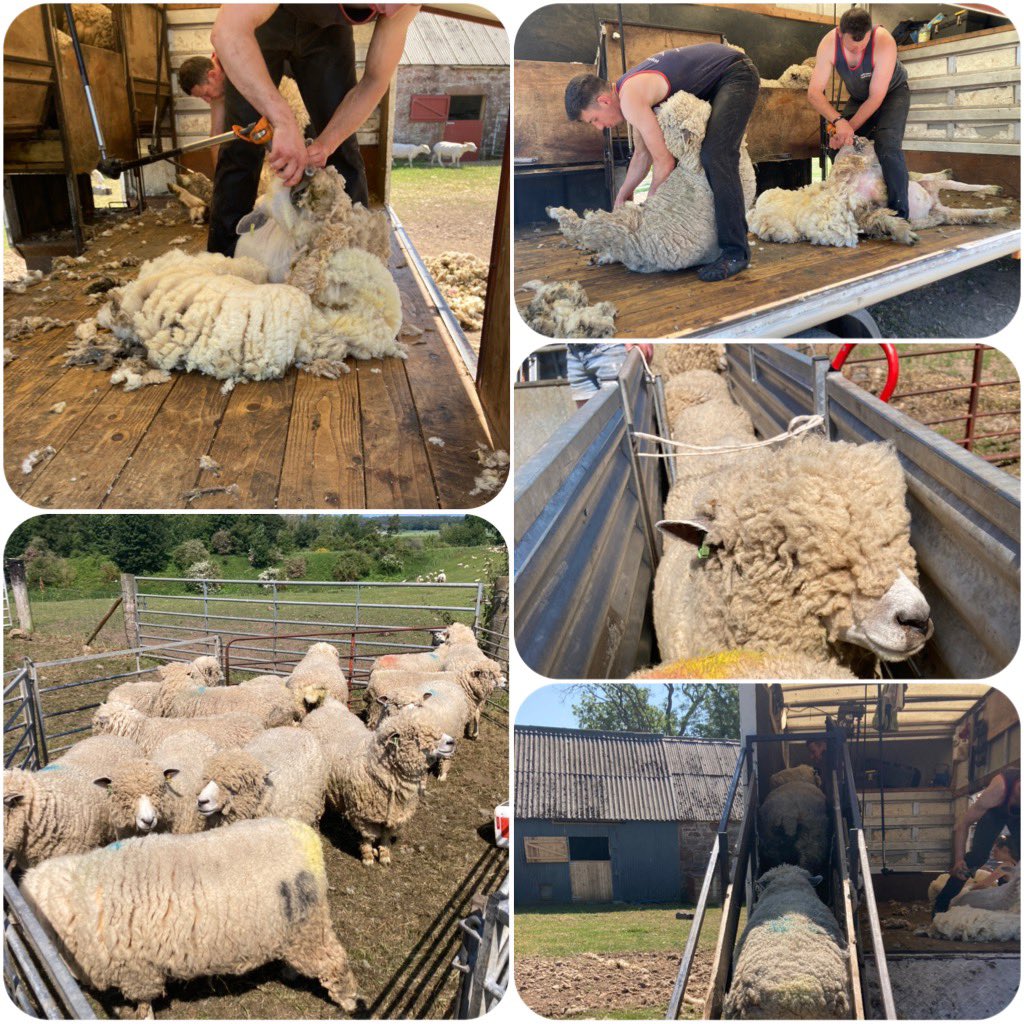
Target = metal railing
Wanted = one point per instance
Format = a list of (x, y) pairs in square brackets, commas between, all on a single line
[(21, 720), (8, 619), (483, 959)]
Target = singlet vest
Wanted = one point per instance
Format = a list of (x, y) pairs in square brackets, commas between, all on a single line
[(858, 79), (693, 69)]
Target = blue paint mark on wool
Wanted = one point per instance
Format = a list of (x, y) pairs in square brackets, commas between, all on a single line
[(51, 767), (781, 925), (115, 845)]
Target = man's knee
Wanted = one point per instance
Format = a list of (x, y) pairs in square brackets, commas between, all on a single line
[(716, 157)]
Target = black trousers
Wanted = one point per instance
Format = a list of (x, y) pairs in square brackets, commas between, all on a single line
[(732, 103), (885, 127), (986, 832), (323, 62)]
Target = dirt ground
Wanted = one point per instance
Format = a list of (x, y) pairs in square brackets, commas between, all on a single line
[(637, 985)]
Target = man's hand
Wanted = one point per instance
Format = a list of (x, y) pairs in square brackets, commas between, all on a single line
[(622, 198), (662, 169), (960, 870), (288, 154), (843, 134), (317, 153), (645, 347)]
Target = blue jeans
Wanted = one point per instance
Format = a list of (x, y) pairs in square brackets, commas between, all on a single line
[(593, 367)]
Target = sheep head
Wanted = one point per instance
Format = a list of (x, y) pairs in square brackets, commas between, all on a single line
[(683, 119), (786, 876), (233, 786), (137, 790), (411, 745), (823, 527), (107, 717)]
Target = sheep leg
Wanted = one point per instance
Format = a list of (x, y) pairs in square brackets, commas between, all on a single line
[(950, 215), (473, 725), (442, 769), (933, 186), (384, 851), (366, 852), (883, 223), (922, 177), (316, 952)]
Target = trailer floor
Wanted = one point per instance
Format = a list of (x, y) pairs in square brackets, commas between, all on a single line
[(918, 915), (676, 304), (300, 442)]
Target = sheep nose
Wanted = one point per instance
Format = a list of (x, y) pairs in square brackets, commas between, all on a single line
[(146, 823), (911, 622)]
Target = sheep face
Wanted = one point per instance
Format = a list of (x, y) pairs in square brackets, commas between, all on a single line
[(105, 717), (18, 787), (208, 671), (233, 787), (136, 796), (412, 748)]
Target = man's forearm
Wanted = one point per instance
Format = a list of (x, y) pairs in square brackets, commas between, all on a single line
[(866, 109), (243, 63), (820, 102), (639, 167), (353, 111)]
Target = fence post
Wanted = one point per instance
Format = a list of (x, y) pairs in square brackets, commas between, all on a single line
[(19, 587), (206, 608), (38, 726), (130, 601), (479, 605)]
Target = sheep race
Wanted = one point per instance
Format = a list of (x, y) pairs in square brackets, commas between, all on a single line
[(155, 814)]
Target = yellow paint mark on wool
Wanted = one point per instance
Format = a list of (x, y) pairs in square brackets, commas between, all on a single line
[(309, 840), (720, 665)]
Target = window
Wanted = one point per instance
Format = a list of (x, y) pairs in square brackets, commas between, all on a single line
[(546, 849), (465, 108), (588, 848)]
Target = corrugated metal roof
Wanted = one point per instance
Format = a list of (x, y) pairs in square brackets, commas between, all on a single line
[(584, 775), (434, 39)]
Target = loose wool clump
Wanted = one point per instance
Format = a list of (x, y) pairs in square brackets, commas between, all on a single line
[(853, 200), (145, 911), (675, 227), (790, 961), (562, 310), (792, 821), (462, 278)]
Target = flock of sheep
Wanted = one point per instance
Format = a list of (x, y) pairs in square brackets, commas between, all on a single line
[(131, 842)]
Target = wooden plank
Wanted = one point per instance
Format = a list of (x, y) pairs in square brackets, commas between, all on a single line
[(249, 445), (166, 463), (775, 11), (591, 881), (543, 133), (643, 41), (323, 459), (977, 79), (967, 37)]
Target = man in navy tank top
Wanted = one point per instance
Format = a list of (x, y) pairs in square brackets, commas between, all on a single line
[(864, 56), (729, 81)]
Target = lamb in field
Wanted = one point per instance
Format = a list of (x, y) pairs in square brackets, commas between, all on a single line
[(408, 151), (674, 228), (146, 911), (452, 151), (851, 201)]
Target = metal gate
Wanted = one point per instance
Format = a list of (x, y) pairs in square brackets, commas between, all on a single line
[(21, 720)]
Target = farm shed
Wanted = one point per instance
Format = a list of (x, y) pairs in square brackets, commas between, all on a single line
[(615, 816), (453, 85), (389, 434), (788, 288)]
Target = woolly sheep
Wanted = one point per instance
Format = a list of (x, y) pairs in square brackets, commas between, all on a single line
[(97, 755), (375, 776), (142, 695), (455, 635), (793, 823), (807, 550), (282, 773), (790, 962), (938, 883), (691, 389), (408, 151), (671, 360), (675, 227), (94, 25), (319, 675), (982, 915), (230, 729), (159, 793), (272, 704), (454, 151), (853, 200), (746, 665), (144, 911)]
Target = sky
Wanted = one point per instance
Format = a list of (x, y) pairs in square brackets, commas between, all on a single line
[(548, 705)]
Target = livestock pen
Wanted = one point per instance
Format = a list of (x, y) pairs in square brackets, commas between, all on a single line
[(401, 926), (964, 115), (391, 433), (586, 547)]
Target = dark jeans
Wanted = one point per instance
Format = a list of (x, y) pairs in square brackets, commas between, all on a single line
[(323, 62), (886, 127), (732, 103), (986, 832)]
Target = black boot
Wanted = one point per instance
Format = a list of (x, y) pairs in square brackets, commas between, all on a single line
[(720, 269)]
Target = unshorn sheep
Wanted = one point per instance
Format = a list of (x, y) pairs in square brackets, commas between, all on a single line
[(272, 703), (793, 822), (675, 227), (145, 911), (230, 729)]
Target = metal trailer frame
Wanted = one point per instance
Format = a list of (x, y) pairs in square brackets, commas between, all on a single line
[(483, 958), (849, 883)]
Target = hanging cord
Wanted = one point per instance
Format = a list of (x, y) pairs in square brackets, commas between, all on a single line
[(797, 426)]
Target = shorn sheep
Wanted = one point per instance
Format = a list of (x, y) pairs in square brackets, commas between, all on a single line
[(282, 773), (851, 201), (675, 227), (375, 776), (453, 152), (142, 912), (802, 547), (793, 822), (408, 151), (982, 915), (229, 729), (790, 962)]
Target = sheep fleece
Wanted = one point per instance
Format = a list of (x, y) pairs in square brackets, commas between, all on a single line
[(792, 824), (137, 913)]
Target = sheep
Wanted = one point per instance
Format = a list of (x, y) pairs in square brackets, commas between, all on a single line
[(802, 547), (938, 883), (148, 910), (982, 915), (454, 151), (94, 25), (142, 695), (53, 811), (159, 793), (441, 577), (790, 962), (319, 675), (99, 754), (675, 227), (852, 201), (375, 776), (693, 389), (792, 821), (461, 643), (408, 151), (562, 310), (672, 360), (231, 729), (272, 704), (282, 773), (746, 665)]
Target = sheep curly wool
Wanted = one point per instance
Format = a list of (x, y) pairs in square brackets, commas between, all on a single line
[(562, 310), (282, 773), (375, 777), (272, 704), (455, 635), (231, 729), (94, 25), (672, 360), (792, 821), (692, 389), (319, 675), (144, 911), (790, 962), (462, 278), (98, 755), (852, 201), (675, 227)]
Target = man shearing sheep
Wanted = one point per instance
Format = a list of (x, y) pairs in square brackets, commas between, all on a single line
[(864, 56), (724, 77), (253, 42)]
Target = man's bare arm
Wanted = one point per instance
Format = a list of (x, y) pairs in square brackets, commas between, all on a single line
[(820, 77), (639, 165), (991, 796), (885, 64), (637, 98), (218, 124)]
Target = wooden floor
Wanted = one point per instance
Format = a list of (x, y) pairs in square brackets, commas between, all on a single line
[(299, 442), (678, 303)]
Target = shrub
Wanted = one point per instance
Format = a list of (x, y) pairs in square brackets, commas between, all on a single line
[(109, 572), (199, 571), (390, 563), (269, 576), (295, 567), (189, 552), (49, 570), (352, 565), (222, 542)]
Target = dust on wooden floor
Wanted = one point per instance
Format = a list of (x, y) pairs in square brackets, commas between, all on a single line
[(389, 434)]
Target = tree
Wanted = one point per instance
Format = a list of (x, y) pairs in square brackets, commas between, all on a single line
[(708, 710), (305, 533), (139, 543), (259, 548)]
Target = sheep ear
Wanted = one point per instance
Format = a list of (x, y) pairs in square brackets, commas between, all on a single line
[(251, 221), (13, 799), (690, 531), (170, 773), (815, 881), (103, 782)]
